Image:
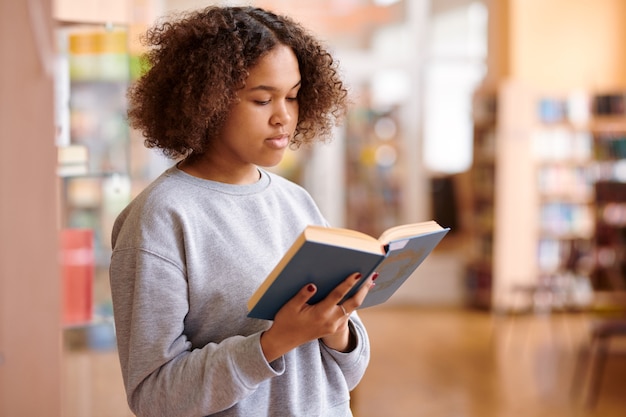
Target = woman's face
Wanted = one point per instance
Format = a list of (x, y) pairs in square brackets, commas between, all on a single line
[(259, 127)]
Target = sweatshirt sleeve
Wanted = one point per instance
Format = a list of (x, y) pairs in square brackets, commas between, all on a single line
[(353, 364), (164, 375)]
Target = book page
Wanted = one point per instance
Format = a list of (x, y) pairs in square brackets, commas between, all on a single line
[(408, 230), (344, 237)]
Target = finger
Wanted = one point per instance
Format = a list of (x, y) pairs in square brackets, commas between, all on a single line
[(343, 310), (302, 297), (357, 299), (364, 290), (338, 294)]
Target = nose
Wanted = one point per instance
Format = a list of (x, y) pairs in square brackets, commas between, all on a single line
[(281, 114)]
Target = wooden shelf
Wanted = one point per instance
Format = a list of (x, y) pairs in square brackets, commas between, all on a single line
[(546, 185)]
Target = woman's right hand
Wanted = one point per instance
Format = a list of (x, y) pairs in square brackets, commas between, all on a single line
[(298, 322)]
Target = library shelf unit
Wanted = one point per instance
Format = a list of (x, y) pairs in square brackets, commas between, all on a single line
[(609, 133), (548, 200), (95, 164), (564, 179), (482, 182)]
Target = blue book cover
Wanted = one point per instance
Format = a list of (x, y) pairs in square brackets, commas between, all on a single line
[(327, 256), (403, 258)]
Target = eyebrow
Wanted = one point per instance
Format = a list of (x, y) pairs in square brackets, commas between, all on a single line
[(271, 88)]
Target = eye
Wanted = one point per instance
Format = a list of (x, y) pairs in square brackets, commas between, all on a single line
[(292, 98), (262, 102)]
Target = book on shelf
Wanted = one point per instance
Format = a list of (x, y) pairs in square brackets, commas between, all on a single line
[(77, 275), (326, 256)]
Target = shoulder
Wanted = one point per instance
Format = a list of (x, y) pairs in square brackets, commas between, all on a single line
[(290, 190), (294, 198), (281, 182), (153, 208), (162, 193)]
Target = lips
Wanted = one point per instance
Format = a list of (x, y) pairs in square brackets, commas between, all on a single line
[(278, 142)]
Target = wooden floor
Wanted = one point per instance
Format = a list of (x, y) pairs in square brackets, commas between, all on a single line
[(431, 363), (472, 364)]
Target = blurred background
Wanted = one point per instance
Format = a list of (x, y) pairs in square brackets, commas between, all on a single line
[(504, 120)]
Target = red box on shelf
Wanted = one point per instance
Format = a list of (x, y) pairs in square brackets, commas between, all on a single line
[(77, 274)]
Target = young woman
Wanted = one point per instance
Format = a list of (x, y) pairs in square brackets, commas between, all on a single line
[(227, 90)]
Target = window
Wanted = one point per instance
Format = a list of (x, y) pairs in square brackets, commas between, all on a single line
[(455, 66)]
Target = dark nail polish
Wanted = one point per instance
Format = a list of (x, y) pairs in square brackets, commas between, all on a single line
[(375, 276), (358, 277), (310, 288)]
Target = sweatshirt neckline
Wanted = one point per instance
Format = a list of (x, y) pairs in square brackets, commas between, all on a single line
[(232, 189)]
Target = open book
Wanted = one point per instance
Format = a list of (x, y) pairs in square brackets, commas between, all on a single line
[(326, 256)]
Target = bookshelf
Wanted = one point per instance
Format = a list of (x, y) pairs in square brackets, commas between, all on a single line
[(94, 161), (609, 149), (482, 182), (562, 148), (374, 168), (548, 198)]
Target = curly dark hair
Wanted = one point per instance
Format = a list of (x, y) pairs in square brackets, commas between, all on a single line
[(199, 61)]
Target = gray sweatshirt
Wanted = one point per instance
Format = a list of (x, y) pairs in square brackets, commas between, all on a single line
[(187, 255)]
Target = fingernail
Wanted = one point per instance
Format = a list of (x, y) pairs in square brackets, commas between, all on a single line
[(310, 288), (375, 276), (358, 277)]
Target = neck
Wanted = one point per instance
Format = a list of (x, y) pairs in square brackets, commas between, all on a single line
[(200, 167)]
